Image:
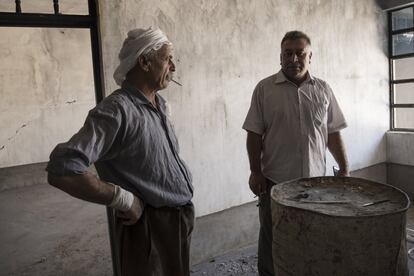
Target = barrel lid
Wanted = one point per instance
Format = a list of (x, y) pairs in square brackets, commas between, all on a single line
[(341, 196)]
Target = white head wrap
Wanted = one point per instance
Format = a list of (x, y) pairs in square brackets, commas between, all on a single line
[(138, 42)]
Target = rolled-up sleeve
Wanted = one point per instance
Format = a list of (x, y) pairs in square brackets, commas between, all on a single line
[(91, 143)]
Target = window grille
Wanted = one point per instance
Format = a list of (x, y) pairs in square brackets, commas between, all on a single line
[(401, 62)]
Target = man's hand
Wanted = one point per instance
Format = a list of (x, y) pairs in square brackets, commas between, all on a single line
[(257, 183), (343, 173), (337, 148), (131, 216)]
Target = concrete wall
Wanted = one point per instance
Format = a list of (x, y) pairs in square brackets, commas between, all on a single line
[(401, 176), (400, 148), (377, 172), (223, 48), (400, 169), (46, 89), (22, 176)]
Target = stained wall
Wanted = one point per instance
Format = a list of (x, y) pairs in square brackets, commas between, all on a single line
[(222, 49)]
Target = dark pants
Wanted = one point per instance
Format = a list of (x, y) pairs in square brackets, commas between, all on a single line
[(265, 260), (158, 244)]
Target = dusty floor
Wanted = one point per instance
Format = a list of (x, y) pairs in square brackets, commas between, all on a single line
[(46, 232), (242, 262), (39, 235)]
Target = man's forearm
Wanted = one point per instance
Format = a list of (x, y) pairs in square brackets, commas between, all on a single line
[(84, 186), (337, 148), (254, 151)]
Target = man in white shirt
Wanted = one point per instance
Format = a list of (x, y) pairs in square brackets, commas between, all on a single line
[(293, 118)]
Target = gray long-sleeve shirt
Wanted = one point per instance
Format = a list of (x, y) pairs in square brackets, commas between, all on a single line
[(133, 145)]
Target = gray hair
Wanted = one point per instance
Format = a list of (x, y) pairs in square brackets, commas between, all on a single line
[(152, 54), (293, 35)]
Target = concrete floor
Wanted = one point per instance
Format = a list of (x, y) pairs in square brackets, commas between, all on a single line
[(45, 232), (241, 262)]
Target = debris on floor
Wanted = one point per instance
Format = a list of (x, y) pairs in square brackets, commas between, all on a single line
[(241, 263)]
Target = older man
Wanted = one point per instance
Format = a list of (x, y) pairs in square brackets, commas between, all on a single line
[(292, 119), (135, 151)]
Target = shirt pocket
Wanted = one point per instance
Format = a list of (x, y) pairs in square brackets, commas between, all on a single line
[(320, 111)]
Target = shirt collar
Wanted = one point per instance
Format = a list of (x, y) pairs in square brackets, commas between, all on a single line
[(139, 98), (280, 78)]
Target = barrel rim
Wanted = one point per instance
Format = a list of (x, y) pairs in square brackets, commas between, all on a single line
[(402, 210)]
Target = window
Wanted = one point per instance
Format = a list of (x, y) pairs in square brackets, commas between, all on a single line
[(401, 52), (45, 45)]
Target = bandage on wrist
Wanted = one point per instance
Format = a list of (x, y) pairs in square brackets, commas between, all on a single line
[(122, 199)]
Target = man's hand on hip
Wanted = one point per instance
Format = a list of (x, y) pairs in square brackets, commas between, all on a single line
[(129, 207), (257, 183), (132, 215)]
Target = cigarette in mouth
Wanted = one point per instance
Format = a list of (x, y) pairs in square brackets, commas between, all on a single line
[(177, 82)]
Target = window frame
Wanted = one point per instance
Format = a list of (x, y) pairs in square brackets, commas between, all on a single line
[(59, 20), (392, 58)]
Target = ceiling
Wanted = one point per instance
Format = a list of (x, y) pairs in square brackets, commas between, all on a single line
[(389, 4)]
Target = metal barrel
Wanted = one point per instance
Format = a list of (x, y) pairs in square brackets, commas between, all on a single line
[(338, 226)]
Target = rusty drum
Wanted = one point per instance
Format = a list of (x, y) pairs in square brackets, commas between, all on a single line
[(338, 226)]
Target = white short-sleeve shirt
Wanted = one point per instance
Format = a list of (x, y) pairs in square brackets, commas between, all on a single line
[(295, 123)]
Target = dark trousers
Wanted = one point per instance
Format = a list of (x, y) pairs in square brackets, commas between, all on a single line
[(158, 244), (265, 259)]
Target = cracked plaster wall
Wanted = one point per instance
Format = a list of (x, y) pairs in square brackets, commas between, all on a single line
[(46, 89)]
